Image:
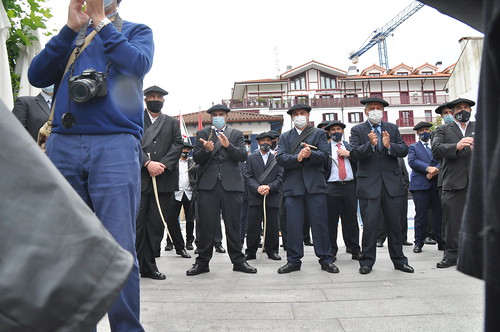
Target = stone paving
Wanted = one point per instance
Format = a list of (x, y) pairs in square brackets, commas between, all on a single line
[(311, 299)]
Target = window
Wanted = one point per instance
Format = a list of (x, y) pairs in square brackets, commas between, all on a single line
[(350, 95), (376, 94), (298, 83), (405, 97), (429, 97), (405, 119), (408, 138), (355, 117), (426, 73), (402, 73), (428, 115), (374, 74), (330, 116), (328, 82)]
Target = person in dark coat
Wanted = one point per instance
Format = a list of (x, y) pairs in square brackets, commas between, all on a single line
[(423, 186), (303, 152), (377, 145), (220, 187), (263, 179), (342, 200), (161, 148), (33, 112), (453, 143)]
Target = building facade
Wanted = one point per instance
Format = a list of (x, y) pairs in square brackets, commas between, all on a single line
[(334, 94)]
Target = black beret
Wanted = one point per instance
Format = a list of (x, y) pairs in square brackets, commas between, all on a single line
[(422, 124), (455, 102), (218, 107), (248, 141), (273, 133), (263, 135), (439, 109), (335, 123), (187, 145), (299, 107), (155, 88), (323, 124), (374, 100)]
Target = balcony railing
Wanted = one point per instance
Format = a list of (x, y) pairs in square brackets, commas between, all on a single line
[(278, 103), (411, 122)]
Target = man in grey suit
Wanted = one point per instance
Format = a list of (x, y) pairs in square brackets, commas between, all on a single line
[(220, 187), (377, 145), (453, 143), (33, 112), (161, 148)]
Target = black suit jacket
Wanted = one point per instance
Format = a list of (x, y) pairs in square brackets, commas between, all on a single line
[(33, 112), (165, 147), (307, 176), (254, 168), (223, 162), (378, 167), (455, 164)]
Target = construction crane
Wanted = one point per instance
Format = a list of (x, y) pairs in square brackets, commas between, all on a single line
[(379, 36)]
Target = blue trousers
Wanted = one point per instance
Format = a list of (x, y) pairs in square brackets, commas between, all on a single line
[(314, 208), (105, 171)]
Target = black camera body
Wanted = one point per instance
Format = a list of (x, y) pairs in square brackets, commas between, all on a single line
[(89, 84)]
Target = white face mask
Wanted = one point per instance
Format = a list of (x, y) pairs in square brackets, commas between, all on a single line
[(375, 116), (300, 121)]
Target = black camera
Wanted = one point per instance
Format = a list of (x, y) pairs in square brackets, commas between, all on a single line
[(88, 85)]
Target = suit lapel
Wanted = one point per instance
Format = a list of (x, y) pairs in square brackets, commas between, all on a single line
[(42, 103), (454, 127), (469, 132)]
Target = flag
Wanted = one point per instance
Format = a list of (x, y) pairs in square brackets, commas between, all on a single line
[(184, 132), (200, 121)]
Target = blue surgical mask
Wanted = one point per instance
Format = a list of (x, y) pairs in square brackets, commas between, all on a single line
[(219, 122), (425, 136), (48, 89), (336, 136), (448, 118)]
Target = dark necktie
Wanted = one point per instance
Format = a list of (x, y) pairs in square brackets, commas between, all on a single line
[(49, 102), (342, 171), (429, 152)]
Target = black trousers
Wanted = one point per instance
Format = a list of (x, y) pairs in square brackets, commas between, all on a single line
[(243, 220), (403, 215), (492, 299), (149, 229), (424, 201), (342, 203), (173, 217), (370, 212), (210, 204), (255, 222), (453, 208)]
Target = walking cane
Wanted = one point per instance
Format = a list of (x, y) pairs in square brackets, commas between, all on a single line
[(265, 227), (155, 190)]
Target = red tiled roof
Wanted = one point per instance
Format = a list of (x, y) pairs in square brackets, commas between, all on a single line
[(425, 65), (401, 65), (395, 76), (233, 116), (308, 63), (265, 80), (374, 66)]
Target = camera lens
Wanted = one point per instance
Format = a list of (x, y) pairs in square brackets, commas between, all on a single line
[(82, 90)]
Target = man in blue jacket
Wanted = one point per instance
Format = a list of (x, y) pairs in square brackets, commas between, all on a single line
[(424, 186), (303, 152), (98, 121)]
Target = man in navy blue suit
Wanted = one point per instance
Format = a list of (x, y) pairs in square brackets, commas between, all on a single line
[(377, 145), (303, 152), (424, 187), (263, 179)]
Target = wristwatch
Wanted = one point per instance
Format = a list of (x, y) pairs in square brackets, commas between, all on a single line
[(105, 21)]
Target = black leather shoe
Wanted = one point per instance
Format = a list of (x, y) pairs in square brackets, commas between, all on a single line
[(308, 242), (405, 268), (189, 245), (330, 268), (183, 253), (287, 268), (357, 256), (197, 269), (406, 243), (429, 240), (417, 249), (445, 263), (219, 248), (274, 256), (169, 247), (365, 269), (380, 244), (440, 246), (153, 275), (245, 268), (249, 257)]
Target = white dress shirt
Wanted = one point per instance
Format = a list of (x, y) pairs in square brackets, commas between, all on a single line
[(334, 174), (184, 186)]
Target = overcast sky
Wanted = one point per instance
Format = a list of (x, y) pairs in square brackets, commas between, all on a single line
[(203, 47)]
